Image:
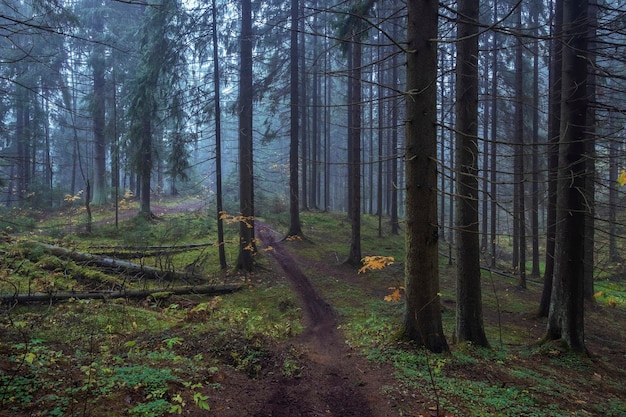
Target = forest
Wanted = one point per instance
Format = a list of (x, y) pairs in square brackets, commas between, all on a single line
[(300, 208)]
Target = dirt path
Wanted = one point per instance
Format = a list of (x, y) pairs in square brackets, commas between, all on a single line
[(336, 381)]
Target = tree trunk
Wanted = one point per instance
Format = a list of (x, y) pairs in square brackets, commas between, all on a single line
[(535, 272), (493, 160), (469, 316), (614, 255), (212, 290), (395, 104), (303, 116), (295, 229), (422, 318), (120, 265), (590, 189), (354, 154), (566, 316), (218, 141), (519, 211), (554, 122), (98, 112), (246, 189), (315, 129), (145, 165)]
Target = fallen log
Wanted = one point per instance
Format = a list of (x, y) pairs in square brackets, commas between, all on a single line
[(153, 247), (103, 295), (121, 266), (133, 252)]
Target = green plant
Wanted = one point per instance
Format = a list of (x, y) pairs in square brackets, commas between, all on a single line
[(154, 408)]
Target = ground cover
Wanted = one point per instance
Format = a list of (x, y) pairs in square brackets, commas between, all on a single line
[(307, 336)]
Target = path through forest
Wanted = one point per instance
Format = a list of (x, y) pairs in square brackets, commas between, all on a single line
[(336, 381)]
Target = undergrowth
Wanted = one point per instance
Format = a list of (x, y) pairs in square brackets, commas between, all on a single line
[(166, 356), (516, 377)]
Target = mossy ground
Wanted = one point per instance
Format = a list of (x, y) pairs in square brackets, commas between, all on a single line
[(189, 354)]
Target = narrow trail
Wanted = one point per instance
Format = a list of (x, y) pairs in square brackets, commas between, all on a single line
[(336, 381)]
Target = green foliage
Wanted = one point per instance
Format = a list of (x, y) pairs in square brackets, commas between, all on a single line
[(610, 293), (17, 221), (153, 359), (154, 408), (151, 380)]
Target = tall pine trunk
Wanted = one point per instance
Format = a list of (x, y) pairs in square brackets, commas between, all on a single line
[(246, 188), (218, 141), (422, 318), (519, 210), (295, 228), (566, 316), (469, 316), (354, 151), (554, 122)]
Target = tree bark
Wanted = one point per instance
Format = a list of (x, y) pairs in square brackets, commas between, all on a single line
[(246, 177), (566, 316), (469, 316), (98, 111), (554, 121), (535, 272), (354, 154), (393, 184), (295, 228), (590, 188), (218, 140), (519, 210), (422, 318)]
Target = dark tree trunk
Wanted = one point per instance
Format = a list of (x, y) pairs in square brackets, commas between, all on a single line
[(493, 162), (614, 255), (315, 125), (218, 141), (566, 316), (535, 272), (519, 211), (554, 122), (145, 166), (590, 189), (422, 318), (295, 229), (469, 316), (354, 151), (246, 189), (98, 112), (304, 117), (395, 225)]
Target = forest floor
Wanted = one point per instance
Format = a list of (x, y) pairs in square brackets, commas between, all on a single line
[(308, 337)]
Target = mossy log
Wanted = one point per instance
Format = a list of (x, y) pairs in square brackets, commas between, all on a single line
[(135, 294), (122, 266), (133, 252)]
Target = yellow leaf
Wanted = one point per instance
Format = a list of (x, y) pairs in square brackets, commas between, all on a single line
[(375, 262), (621, 179), (395, 296)]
